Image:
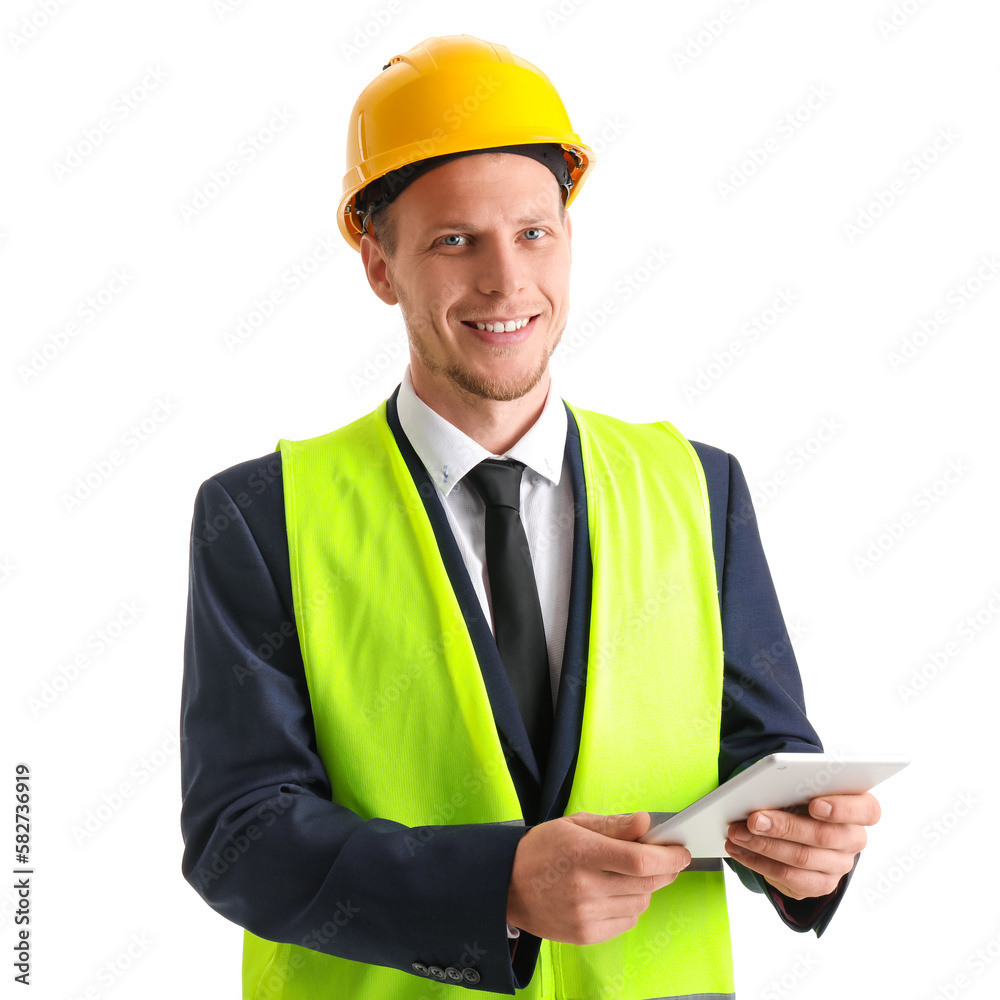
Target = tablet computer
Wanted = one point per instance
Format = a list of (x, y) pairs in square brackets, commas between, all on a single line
[(778, 781)]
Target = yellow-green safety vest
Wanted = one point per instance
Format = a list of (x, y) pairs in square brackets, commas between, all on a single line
[(377, 615)]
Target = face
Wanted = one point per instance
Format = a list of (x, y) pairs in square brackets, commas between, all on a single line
[(479, 244)]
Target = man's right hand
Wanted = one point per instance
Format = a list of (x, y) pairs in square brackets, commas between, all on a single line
[(583, 879)]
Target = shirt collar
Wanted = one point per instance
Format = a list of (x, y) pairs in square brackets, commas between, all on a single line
[(448, 453)]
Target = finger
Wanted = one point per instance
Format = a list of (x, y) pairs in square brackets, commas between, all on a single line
[(641, 860), (794, 855), (618, 827), (618, 853), (779, 825), (795, 882), (613, 884), (602, 930), (863, 809)]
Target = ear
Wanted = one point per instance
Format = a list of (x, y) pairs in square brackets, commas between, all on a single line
[(376, 266)]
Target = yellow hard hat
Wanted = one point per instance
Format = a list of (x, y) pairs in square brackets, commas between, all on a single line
[(448, 95)]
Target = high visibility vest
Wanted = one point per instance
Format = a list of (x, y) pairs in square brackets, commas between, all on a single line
[(381, 631)]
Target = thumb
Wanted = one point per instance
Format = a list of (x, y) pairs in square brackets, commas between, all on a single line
[(617, 826)]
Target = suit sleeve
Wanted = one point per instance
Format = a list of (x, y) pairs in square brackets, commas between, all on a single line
[(264, 845), (763, 707)]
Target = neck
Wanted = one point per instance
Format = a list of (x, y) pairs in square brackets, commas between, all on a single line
[(495, 424)]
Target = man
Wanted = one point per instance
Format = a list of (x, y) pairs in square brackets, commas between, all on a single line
[(436, 659)]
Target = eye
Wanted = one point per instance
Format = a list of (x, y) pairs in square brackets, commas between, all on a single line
[(538, 232), (452, 236)]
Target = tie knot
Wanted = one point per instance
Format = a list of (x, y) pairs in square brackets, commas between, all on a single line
[(498, 482)]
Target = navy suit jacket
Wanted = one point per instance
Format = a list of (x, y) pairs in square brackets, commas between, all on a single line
[(264, 844)]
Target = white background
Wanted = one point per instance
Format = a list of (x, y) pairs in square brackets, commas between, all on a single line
[(870, 435)]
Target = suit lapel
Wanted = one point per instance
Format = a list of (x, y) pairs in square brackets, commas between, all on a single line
[(573, 676)]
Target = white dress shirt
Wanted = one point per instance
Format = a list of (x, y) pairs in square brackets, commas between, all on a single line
[(546, 503)]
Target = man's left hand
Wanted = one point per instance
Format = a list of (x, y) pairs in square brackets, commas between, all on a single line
[(803, 855)]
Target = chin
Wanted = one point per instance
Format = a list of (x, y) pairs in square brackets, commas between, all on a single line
[(500, 386)]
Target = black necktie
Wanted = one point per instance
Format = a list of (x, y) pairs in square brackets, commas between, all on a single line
[(517, 615)]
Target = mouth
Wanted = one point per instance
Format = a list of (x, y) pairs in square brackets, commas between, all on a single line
[(503, 330)]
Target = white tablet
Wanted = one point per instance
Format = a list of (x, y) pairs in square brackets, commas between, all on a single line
[(779, 781)]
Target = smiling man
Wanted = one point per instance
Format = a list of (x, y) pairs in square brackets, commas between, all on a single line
[(480, 268), (438, 661)]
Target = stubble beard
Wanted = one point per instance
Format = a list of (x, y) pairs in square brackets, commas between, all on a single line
[(500, 388)]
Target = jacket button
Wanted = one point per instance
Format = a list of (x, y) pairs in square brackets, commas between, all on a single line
[(436, 971), (455, 975), (419, 968), (470, 975)]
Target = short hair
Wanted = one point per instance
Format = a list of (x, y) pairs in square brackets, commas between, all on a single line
[(384, 229)]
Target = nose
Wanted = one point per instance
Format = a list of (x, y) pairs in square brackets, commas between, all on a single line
[(501, 269)]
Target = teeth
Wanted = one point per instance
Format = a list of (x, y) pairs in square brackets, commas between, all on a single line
[(509, 327)]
